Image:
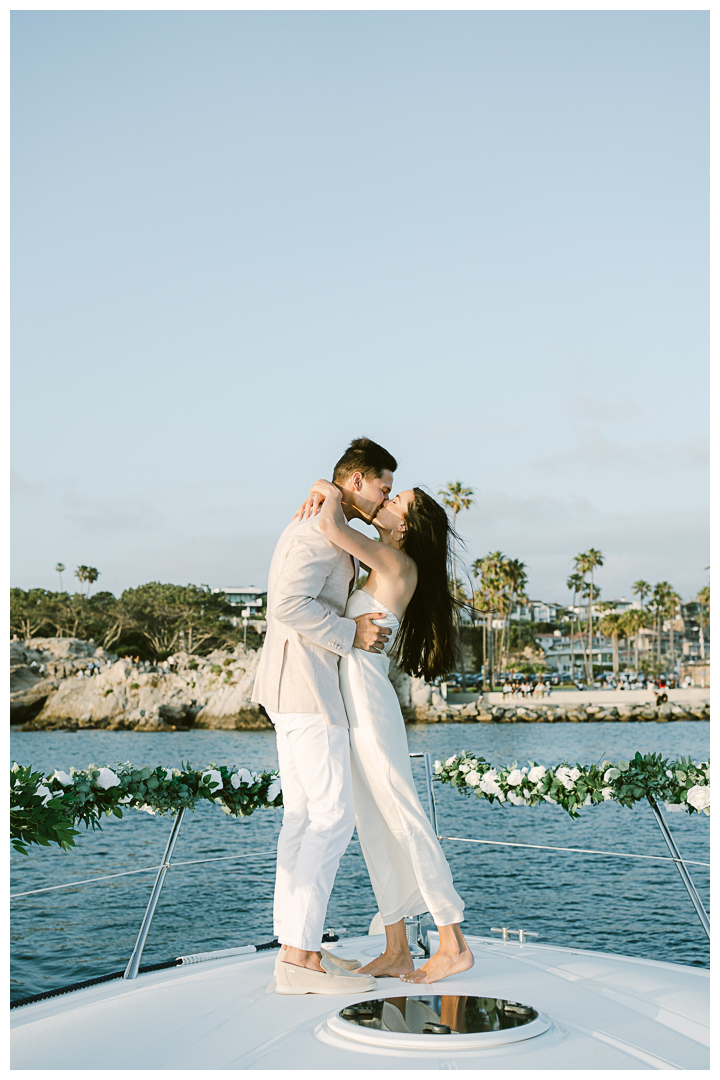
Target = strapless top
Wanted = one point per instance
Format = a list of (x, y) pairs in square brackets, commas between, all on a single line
[(361, 602)]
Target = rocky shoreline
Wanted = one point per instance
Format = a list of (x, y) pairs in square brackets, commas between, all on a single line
[(65, 684)]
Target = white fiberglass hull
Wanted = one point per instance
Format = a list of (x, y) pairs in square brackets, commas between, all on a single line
[(599, 1011)]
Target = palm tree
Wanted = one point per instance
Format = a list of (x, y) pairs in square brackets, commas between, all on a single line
[(703, 599), (574, 584), (633, 621), (611, 626), (489, 570), (456, 498), (59, 567), (673, 611), (642, 589), (515, 576), (664, 606), (87, 574), (586, 562)]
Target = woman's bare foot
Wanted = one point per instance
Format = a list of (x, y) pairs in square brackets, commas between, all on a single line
[(393, 965), (440, 965)]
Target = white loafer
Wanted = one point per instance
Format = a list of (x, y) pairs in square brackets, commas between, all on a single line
[(338, 961), (291, 979)]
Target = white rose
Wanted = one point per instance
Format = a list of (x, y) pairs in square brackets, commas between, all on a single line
[(464, 767), (438, 766), (674, 808), (450, 760), (515, 799), (489, 783), (147, 809), (472, 778), (565, 777), (107, 779), (126, 799), (611, 774), (549, 798), (607, 793), (42, 790), (168, 774), (212, 778), (247, 777), (62, 778), (574, 774), (588, 800), (274, 789), (516, 777), (699, 796), (536, 773), (235, 780)]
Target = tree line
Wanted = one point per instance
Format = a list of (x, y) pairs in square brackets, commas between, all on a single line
[(151, 621)]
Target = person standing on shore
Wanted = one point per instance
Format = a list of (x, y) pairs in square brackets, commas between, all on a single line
[(297, 683)]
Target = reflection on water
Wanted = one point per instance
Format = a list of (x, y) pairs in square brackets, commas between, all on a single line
[(622, 906), (439, 1015)]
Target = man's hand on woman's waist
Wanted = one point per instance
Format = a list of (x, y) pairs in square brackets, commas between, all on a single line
[(369, 636)]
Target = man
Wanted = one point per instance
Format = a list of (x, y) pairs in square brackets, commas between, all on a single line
[(298, 684)]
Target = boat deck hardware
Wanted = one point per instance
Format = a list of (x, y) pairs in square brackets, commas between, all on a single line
[(686, 879), (134, 962), (438, 1022), (522, 935)]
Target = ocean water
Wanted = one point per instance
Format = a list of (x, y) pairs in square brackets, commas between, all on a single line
[(616, 905)]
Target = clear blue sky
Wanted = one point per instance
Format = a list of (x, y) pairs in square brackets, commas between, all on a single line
[(241, 239)]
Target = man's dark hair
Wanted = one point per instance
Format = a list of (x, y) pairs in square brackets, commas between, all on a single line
[(366, 457)]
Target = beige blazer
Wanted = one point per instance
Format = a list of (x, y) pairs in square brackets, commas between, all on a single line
[(307, 633)]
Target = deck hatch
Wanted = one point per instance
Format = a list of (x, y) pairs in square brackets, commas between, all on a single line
[(438, 1021)]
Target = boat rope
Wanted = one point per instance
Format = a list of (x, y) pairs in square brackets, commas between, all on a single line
[(329, 936), (577, 850)]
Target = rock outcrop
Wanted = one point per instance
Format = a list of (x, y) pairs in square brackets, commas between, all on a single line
[(120, 695), (64, 683), (39, 666)]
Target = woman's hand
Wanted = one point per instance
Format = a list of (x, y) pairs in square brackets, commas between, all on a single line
[(310, 507), (331, 517), (319, 492)]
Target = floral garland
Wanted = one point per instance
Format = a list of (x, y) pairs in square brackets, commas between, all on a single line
[(44, 809), (681, 785)]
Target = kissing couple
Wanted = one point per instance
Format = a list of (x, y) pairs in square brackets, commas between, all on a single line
[(342, 747)]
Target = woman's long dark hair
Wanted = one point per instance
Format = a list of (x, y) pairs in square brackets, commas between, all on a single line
[(426, 643)]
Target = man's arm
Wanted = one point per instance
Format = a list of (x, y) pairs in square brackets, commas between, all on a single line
[(308, 564)]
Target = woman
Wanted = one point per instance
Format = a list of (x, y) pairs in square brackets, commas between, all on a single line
[(408, 579)]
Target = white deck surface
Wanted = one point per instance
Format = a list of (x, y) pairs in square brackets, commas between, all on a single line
[(605, 1012)]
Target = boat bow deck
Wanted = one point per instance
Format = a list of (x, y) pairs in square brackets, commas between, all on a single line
[(605, 1012)]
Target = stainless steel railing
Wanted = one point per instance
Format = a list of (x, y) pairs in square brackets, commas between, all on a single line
[(162, 869)]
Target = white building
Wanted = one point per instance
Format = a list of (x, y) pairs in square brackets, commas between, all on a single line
[(246, 596), (535, 611), (250, 599), (619, 606)]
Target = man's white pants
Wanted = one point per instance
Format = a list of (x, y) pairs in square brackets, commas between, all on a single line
[(318, 822)]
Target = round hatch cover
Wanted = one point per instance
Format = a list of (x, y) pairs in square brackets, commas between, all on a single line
[(437, 1021)]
